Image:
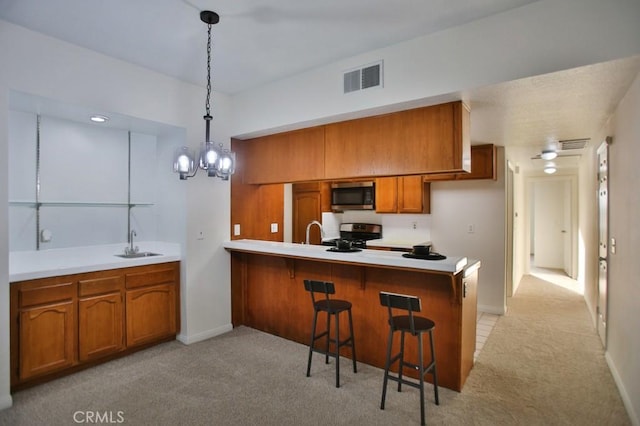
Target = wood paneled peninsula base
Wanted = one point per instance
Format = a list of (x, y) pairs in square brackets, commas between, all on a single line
[(268, 295)]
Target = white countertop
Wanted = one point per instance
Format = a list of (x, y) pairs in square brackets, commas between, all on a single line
[(27, 265), (452, 264)]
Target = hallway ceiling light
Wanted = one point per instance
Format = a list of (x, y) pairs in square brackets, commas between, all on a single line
[(99, 118), (548, 154), (550, 169), (218, 162)]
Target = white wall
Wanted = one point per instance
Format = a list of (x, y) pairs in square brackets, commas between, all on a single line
[(79, 163), (541, 37), (481, 203), (5, 382), (623, 324), (46, 67)]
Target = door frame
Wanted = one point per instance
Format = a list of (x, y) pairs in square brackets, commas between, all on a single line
[(573, 228), (602, 297)]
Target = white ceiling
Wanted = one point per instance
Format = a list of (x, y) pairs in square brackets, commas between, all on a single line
[(259, 41), (256, 41)]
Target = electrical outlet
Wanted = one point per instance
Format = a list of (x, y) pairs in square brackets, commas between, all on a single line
[(200, 235), (414, 225), (274, 228), (471, 228), (236, 229)]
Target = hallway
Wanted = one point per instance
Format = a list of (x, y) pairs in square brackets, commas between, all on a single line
[(546, 358)]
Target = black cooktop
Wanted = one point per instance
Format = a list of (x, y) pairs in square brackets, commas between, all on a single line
[(430, 256), (339, 250)]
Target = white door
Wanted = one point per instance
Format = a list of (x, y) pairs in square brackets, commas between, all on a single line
[(552, 213), (566, 229), (603, 237)]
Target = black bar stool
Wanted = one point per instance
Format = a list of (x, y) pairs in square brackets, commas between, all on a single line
[(331, 307), (416, 326)]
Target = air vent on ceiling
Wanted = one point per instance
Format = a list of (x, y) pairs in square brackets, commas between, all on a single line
[(364, 77), (570, 144)]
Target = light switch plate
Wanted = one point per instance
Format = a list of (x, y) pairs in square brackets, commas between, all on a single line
[(236, 229)]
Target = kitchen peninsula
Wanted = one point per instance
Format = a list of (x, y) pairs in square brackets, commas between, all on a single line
[(268, 295)]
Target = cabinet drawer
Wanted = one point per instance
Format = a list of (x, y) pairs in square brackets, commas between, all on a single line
[(46, 294), (100, 285), (154, 276)]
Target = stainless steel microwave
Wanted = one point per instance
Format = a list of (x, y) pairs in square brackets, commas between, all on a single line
[(353, 196)]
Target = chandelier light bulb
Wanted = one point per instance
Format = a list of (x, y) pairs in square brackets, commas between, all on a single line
[(183, 163)]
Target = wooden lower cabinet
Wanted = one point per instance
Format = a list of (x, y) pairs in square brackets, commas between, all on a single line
[(151, 314), (62, 324), (49, 333), (100, 329)]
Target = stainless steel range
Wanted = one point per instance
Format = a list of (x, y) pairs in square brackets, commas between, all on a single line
[(358, 234)]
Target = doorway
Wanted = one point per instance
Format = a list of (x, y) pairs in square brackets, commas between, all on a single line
[(553, 224)]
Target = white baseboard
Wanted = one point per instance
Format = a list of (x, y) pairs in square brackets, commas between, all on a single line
[(5, 401), (489, 309), (194, 338), (626, 400)]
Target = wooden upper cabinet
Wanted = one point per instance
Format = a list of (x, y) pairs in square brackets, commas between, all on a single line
[(285, 157), (403, 194), (418, 141), (483, 163), (413, 195), (483, 166), (387, 195)]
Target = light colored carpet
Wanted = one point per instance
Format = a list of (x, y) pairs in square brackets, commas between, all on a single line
[(542, 365)]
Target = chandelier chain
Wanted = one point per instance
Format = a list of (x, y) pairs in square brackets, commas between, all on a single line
[(207, 105)]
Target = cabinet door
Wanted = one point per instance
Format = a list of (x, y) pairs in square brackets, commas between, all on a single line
[(294, 156), (483, 166), (483, 163), (410, 194), (387, 195), (151, 313), (100, 326), (417, 141), (47, 339)]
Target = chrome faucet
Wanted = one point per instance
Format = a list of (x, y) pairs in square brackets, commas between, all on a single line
[(315, 222), (131, 249)]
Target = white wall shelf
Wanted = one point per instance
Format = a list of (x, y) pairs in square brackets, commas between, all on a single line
[(75, 204)]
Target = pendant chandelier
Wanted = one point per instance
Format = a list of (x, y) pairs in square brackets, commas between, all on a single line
[(218, 162)]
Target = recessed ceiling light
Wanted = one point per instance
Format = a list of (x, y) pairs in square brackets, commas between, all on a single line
[(550, 170), (99, 118), (548, 154)]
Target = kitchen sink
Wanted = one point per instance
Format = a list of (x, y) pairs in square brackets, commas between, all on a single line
[(137, 255)]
